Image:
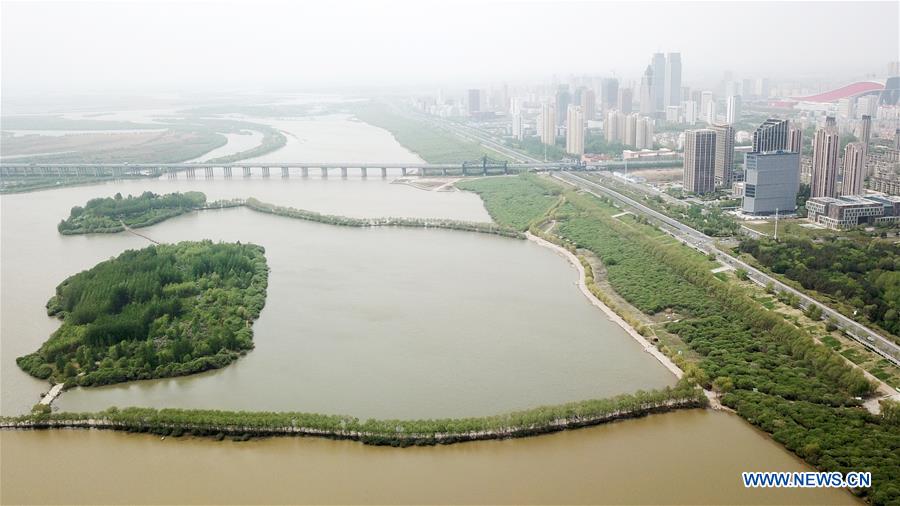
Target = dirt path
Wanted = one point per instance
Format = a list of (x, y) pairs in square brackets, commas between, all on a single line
[(647, 345), (131, 231)]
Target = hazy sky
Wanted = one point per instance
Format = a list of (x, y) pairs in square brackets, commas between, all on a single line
[(132, 46)]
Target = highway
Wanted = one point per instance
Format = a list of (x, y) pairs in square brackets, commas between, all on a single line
[(706, 244)]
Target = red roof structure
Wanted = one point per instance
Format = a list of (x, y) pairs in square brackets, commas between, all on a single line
[(851, 90)]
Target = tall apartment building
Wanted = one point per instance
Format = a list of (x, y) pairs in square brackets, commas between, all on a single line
[(795, 139), (548, 124), (690, 112), (865, 135), (474, 102), (575, 130), (706, 97), (589, 104), (518, 130), (629, 134), (563, 99), (611, 127), (823, 180), (733, 110), (772, 135), (854, 169), (724, 165), (643, 136), (625, 99), (609, 94), (699, 160)]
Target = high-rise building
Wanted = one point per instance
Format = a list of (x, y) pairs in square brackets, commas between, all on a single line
[(609, 94), (548, 124), (772, 135), (733, 109), (846, 108), (705, 98), (724, 167), (625, 99), (771, 182), (897, 139), (699, 160), (823, 180), (589, 104), (474, 104), (673, 114), (854, 169), (795, 139), (710, 114), (690, 112), (518, 130), (865, 133), (647, 100), (629, 136), (659, 82), (611, 127), (575, 130), (673, 80), (563, 99), (643, 136)]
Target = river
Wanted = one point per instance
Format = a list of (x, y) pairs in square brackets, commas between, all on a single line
[(688, 457), (369, 322)]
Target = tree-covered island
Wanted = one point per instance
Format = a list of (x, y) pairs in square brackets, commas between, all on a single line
[(161, 311), (107, 215)]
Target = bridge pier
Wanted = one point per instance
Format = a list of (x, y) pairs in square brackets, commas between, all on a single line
[(365, 172), (265, 172), (304, 171), (384, 172), (209, 172), (324, 173), (246, 171), (344, 172), (227, 172), (443, 172), (403, 170), (190, 173), (285, 172), (171, 174)]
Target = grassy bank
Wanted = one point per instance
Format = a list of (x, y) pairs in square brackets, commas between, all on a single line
[(242, 425), (432, 144), (766, 368)]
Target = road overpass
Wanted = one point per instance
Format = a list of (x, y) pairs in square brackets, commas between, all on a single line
[(706, 244)]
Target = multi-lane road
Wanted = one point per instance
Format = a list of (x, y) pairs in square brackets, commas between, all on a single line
[(706, 244)]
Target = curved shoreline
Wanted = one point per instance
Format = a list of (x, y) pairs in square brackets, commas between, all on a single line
[(647, 345), (582, 285)]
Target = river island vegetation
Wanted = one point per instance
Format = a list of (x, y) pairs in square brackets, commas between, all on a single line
[(773, 373), (113, 214), (161, 311), (243, 425)]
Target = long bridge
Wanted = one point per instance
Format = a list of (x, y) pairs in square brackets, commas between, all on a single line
[(483, 166), (480, 167)]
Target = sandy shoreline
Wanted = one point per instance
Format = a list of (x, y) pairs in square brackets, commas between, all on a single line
[(582, 285)]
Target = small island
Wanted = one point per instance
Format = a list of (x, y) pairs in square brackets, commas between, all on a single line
[(115, 214), (161, 311)]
